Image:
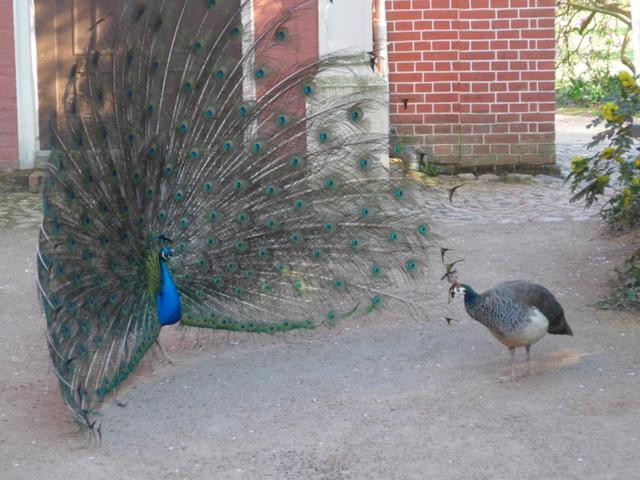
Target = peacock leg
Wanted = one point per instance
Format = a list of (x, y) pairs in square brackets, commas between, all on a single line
[(119, 402), (528, 348), (164, 354)]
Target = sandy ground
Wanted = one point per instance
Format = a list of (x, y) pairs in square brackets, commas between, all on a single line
[(376, 398)]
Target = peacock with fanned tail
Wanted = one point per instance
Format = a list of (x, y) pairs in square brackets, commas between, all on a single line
[(207, 181)]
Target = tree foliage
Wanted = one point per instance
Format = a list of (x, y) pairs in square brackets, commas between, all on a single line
[(591, 34)]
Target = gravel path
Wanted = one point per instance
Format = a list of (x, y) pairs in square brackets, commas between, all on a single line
[(376, 398)]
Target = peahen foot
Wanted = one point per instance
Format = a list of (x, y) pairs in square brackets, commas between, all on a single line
[(515, 375)]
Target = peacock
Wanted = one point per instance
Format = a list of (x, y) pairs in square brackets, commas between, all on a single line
[(518, 313), (204, 177)]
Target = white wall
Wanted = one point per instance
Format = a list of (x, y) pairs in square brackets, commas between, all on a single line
[(26, 83), (345, 25)]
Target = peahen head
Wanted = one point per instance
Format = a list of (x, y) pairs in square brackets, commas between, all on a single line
[(470, 295)]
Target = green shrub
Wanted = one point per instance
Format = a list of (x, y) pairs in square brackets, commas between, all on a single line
[(585, 92), (616, 170)]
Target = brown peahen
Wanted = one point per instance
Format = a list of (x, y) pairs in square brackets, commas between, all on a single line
[(517, 313)]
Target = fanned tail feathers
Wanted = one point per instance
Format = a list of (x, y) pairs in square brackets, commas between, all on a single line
[(274, 193)]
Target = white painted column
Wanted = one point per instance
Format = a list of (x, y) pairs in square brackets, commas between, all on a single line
[(380, 46), (26, 81), (346, 29), (345, 26)]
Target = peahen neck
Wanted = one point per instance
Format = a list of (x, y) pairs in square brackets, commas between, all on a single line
[(168, 298), (471, 297)]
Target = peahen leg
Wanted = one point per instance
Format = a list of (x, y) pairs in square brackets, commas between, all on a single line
[(513, 377), (528, 348)]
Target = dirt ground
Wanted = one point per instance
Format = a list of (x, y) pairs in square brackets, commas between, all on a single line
[(375, 398)]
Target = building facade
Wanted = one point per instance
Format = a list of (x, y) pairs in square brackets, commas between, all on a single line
[(474, 80), (471, 80)]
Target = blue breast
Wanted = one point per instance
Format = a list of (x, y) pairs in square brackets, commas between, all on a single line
[(168, 299)]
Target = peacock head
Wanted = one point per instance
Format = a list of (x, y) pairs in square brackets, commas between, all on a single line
[(166, 254)]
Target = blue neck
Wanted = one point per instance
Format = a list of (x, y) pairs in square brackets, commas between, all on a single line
[(471, 297), (168, 298)]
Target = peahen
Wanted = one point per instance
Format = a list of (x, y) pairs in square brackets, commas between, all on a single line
[(518, 313), (208, 180)]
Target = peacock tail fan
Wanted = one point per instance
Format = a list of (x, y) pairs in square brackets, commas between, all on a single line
[(231, 145)]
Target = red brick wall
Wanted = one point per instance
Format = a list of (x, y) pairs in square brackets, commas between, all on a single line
[(8, 105), (478, 76)]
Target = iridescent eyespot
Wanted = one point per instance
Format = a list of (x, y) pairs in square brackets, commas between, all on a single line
[(282, 34), (187, 86), (271, 190), (183, 127), (356, 114), (210, 112)]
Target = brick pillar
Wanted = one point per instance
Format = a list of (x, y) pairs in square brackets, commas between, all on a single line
[(8, 102), (478, 76)]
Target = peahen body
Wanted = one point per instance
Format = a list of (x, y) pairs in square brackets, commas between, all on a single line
[(207, 181), (518, 313)]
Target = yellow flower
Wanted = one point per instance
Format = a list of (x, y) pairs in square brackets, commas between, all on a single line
[(619, 159), (626, 197), (627, 80), (603, 180), (636, 181), (578, 165), (609, 113), (608, 152), (637, 162)]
